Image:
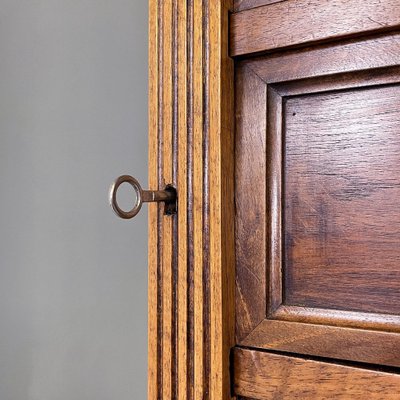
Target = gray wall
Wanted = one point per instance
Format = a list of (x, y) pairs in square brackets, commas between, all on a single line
[(73, 277)]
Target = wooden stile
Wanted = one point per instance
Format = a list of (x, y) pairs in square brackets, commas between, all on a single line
[(191, 288)]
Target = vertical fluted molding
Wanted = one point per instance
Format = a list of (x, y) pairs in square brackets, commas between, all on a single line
[(191, 255)]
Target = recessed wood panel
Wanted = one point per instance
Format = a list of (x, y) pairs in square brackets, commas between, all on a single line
[(317, 188), (341, 200)]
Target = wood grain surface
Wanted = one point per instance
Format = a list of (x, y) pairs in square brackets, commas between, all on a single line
[(250, 200), (331, 110), (220, 170), (346, 344), (298, 22), (240, 5), (361, 54), (332, 317), (191, 255), (154, 274), (342, 185), (286, 106), (262, 375)]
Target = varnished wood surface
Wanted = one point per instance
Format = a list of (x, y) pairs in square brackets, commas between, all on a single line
[(198, 301), (167, 164), (328, 59), (240, 5), (191, 284), (250, 200), (350, 319), (346, 95), (274, 159), (191, 257), (154, 292), (261, 375), (342, 215), (220, 170), (184, 359), (346, 344), (298, 22)]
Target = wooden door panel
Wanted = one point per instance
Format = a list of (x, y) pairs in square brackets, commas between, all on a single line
[(317, 187), (317, 178), (341, 224)]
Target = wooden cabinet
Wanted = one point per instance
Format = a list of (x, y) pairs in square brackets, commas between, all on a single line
[(317, 161), (279, 124)]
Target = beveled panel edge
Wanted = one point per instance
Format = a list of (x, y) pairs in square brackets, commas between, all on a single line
[(328, 59), (263, 375), (340, 318), (333, 342), (339, 82), (274, 157), (240, 5), (250, 106)]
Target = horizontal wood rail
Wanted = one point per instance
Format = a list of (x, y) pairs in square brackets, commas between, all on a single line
[(262, 375), (299, 22)]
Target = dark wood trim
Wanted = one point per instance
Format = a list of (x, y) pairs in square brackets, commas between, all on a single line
[(300, 22), (359, 345), (332, 333), (274, 198), (349, 319), (240, 5), (277, 95), (262, 375)]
